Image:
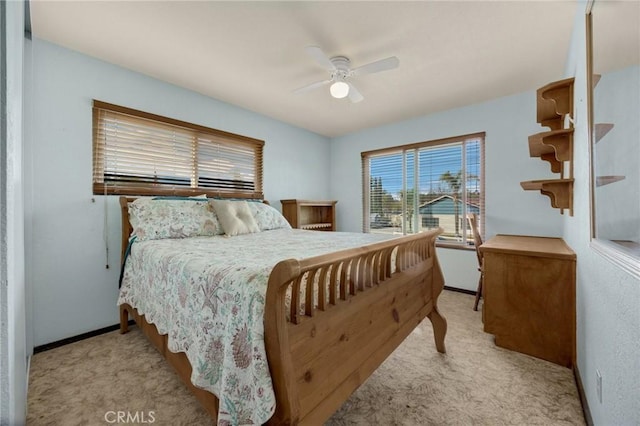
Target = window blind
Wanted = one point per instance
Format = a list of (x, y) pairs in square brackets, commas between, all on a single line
[(137, 153), (412, 188)]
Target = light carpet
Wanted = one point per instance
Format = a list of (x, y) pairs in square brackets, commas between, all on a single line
[(474, 383)]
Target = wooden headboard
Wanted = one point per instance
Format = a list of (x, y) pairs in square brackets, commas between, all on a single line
[(127, 229)]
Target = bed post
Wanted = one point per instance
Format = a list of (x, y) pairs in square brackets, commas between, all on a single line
[(126, 232), (126, 225), (277, 344), (124, 319), (438, 322)]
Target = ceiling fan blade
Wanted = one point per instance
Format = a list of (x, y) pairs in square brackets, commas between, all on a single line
[(320, 57), (377, 66), (311, 86), (354, 94)]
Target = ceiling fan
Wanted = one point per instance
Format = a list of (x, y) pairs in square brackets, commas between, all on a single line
[(340, 73)]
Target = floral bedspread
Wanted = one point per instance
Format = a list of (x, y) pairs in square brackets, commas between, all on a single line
[(208, 293)]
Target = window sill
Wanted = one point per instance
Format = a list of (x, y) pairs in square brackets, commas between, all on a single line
[(626, 258)]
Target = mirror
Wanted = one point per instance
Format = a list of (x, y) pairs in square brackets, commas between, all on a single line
[(613, 63)]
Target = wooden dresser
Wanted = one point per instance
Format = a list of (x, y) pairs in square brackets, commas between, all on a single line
[(529, 296)]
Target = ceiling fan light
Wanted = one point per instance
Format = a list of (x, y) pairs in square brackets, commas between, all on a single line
[(339, 89)]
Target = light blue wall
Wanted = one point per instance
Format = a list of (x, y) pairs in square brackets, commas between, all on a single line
[(507, 122), (73, 292), (13, 350), (608, 298)]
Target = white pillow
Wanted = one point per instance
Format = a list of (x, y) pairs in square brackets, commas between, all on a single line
[(235, 217)]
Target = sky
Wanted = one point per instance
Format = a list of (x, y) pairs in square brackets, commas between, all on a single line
[(432, 163)]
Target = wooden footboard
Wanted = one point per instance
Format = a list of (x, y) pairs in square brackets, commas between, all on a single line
[(365, 308)]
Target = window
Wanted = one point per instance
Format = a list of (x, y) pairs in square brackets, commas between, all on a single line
[(136, 153), (412, 188)]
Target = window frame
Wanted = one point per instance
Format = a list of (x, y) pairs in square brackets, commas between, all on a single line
[(366, 176), (100, 187)]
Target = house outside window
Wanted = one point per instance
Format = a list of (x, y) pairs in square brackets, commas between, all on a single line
[(417, 187)]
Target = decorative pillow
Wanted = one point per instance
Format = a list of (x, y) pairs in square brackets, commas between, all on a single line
[(159, 218), (267, 217), (235, 217)]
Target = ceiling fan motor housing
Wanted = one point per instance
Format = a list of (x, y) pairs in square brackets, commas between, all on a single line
[(342, 67)]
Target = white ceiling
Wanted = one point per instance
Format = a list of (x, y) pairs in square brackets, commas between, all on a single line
[(251, 54)]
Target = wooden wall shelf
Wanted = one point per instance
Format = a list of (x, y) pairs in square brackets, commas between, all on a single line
[(560, 191), (555, 147), (554, 101)]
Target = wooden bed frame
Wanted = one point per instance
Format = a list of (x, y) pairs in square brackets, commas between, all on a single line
[(317, 359)]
